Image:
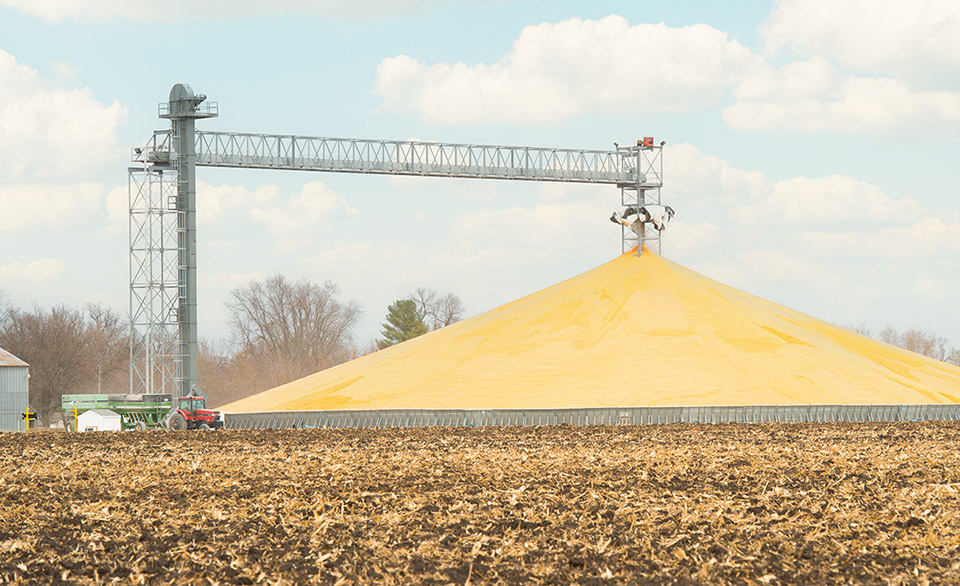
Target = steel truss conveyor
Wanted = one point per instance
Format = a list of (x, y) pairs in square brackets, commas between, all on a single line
[(417, 158)]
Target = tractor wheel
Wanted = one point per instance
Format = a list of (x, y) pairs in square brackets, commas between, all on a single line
[(205, 427), (68, 426), (141, 426), (178, 422)]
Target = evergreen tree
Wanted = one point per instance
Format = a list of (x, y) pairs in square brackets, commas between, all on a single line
[(403, 323)]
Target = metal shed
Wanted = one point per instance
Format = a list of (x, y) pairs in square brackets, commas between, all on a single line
[(14, 391)]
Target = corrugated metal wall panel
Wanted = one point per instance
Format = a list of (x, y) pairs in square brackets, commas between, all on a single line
[(595, 416), (14, 391)]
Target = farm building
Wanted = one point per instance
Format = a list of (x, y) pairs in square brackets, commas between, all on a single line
[(14, 391), (636, 332), (98, 420)]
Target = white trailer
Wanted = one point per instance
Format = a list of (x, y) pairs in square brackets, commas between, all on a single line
[(99, 420)]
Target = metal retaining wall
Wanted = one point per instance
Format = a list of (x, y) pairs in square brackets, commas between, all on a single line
[(589, 416)]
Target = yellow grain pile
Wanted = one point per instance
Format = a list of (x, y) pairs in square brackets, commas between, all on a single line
[(636, 331)]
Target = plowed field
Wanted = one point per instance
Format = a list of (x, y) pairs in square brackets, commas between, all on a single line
[(683, 504)]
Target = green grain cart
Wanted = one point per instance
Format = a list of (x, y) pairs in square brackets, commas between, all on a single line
[(138, 412)]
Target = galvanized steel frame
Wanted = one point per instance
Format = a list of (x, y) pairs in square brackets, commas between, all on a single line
[(155, 359), (641, 193), (380, 418)]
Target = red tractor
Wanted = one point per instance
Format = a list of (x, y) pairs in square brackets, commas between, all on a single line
[(191, 413)]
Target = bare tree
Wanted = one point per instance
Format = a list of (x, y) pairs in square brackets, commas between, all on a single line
[(289, 329), (448, 310), (859, 328), (368, 347), (218, 374), (889, 335), (926, 343), (437, 311), (954, 357), (111, 351), (919, 341), (67, 351), (425, 300)]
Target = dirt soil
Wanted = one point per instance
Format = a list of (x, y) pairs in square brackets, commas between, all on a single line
[(679, 504)]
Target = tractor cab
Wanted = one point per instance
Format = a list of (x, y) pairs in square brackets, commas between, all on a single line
[(191, 404)]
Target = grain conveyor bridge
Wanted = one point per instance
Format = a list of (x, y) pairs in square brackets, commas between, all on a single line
[(163, 226)]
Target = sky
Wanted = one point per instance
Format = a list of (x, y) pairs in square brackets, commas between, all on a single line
[(811, 155)]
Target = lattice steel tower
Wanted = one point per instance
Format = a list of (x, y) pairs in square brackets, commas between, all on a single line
[(163, 208), (642, 192)]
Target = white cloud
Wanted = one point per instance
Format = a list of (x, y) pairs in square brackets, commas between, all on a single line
[(283, 215), (930, 237), (461, 189), (555, 71), (412, 181), (697, 177), (346, 254), (556, 192), (778, 265), (683, 238), (112, 10), (825, 200), (556, 226), (706, 190), (39, 271), (118, 207), (853, 105), (51, 132), (215, 201), (229, 281), (917, 41), (877, 66), (32, 207), (314, 204), (289, 218), (814, 78), (934, 287), (66, 71)]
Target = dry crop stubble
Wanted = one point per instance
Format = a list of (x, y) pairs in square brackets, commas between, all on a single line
[(679, 504)]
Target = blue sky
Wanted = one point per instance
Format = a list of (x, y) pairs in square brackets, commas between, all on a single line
[(811, 155)]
